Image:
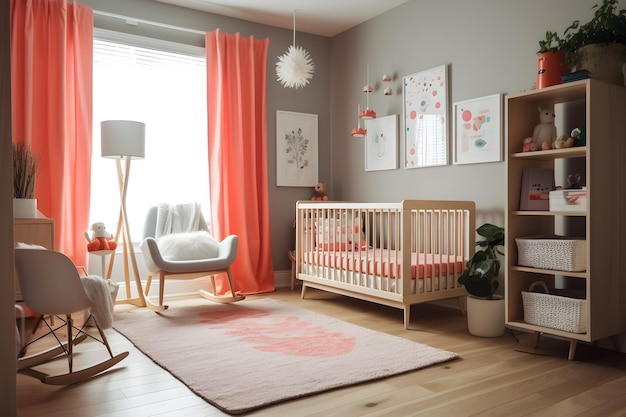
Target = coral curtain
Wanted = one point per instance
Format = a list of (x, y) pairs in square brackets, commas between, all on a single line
[(237, 145), (51, 82)]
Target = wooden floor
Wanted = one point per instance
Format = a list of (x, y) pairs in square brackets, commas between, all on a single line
[(491, 378)]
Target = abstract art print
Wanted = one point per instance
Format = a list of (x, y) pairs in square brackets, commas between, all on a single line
[(381, 143), (425, 96), (478, 130), (296, 149)]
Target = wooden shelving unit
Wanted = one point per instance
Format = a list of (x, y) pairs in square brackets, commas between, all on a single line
[(603, 224)]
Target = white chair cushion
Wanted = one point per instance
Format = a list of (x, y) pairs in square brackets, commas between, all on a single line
[(22, 245), (188, 246)]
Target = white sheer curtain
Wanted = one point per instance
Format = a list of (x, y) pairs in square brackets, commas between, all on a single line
[(166, 90)]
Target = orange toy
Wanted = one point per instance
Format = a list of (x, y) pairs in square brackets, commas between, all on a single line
[(100, 239)]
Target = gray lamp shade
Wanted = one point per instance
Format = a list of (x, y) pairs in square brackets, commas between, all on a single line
[(121, 138)]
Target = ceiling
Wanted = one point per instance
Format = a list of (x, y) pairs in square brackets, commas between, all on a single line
[(319, 17)]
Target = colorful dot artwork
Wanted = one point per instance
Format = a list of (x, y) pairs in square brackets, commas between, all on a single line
[(425, 109)]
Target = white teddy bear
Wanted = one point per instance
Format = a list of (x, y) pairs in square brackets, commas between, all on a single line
[(545, 132)]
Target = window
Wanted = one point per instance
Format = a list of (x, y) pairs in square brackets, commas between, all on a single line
[(166, 90)]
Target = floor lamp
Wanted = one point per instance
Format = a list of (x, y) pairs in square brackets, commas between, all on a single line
[(124, 140)]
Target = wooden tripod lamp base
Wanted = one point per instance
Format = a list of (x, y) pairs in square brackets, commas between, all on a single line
[(124, 140)]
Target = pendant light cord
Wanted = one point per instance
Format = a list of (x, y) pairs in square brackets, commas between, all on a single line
[(294, 28), (367, 93)]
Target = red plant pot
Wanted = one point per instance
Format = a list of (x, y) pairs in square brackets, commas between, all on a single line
[(550, 67)]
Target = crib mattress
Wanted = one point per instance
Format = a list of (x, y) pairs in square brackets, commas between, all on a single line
[(387, 263)]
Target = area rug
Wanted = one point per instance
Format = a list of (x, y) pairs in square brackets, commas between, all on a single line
[(258, 352)]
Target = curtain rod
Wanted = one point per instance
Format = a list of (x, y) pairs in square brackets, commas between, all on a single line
[(131, 20)]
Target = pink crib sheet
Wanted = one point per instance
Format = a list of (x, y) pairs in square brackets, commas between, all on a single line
[(387, 263)]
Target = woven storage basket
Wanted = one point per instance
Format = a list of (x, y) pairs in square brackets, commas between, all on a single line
[(554, 311), (552, 252)]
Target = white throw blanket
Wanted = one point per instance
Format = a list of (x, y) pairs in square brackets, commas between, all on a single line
[(179, 218), (99, 293)]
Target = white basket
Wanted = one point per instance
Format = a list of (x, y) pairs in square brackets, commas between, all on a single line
[(554, 311), (552, 252)]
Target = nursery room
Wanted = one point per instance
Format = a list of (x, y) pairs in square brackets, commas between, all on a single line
[(312, 208)]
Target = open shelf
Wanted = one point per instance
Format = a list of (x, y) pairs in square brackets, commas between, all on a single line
[(603, 108)]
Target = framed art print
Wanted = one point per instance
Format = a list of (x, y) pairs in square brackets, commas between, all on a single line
[(425, 96), (296, 149), (478, 130), (381, 150)]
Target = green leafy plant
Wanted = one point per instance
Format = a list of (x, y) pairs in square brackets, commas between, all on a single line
[(552, 43), (24, 171), (608, 25), (484, 266)]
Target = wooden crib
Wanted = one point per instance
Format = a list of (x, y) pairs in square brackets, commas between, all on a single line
[(396, 254)]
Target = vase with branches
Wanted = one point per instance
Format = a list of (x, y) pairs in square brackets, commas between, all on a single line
[(24, 171)]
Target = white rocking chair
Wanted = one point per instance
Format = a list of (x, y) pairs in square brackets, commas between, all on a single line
[(157, 265), (51, 286)]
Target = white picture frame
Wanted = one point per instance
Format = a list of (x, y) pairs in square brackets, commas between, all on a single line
[(296, 149), (478, 130), (425, 106), (381, 143)]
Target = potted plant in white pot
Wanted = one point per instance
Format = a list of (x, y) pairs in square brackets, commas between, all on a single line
[(599, 46), (24, 177), (485, 309)]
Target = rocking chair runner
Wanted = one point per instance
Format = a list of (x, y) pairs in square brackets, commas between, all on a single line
[(157, 265), (51, 286)]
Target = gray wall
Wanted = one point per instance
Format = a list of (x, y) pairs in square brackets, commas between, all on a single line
[(489, 46)]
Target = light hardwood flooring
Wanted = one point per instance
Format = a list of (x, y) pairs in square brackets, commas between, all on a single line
[(491, 378)]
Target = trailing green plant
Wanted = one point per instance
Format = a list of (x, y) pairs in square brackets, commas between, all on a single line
[(24, 171), (552, 43), (608, 25), (483, 267)]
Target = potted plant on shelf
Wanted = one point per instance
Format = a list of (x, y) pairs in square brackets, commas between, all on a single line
[(24, 176), (485, 310), (599, 46), (550, 60)]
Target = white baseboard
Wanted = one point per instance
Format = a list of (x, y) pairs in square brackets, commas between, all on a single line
[(177, 288), (282, 279)]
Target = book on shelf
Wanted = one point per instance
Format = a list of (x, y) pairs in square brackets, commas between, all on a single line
[(574, 76), (536, 186)]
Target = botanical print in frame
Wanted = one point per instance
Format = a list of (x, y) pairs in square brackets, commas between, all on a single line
[(296, 149), (478, 130), (381, 149), (425, 96)]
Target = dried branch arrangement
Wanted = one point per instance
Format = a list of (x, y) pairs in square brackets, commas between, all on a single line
[(24, 171)]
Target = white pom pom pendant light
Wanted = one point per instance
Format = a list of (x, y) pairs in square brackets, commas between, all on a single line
[(294, 68)]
